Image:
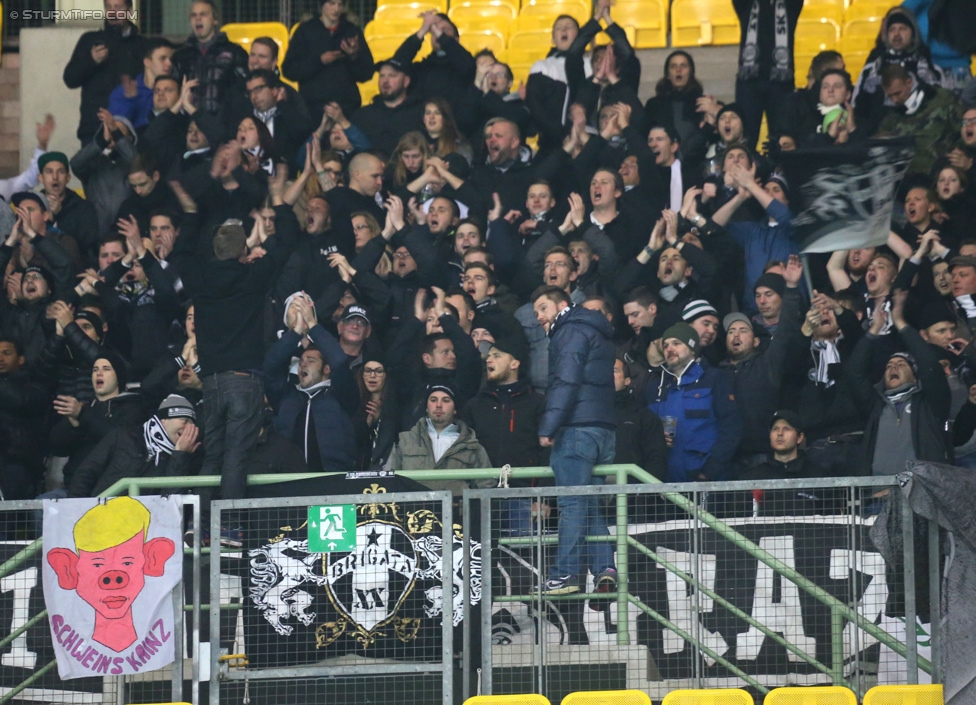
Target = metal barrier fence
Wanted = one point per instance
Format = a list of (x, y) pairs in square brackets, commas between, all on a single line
[(349, 598), (28, 670), (753, 585), (718, 586)]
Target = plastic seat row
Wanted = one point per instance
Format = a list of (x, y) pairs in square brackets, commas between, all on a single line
[(814, 695)]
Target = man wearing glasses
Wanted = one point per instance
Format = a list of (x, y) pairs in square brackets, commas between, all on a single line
[(284, 121)]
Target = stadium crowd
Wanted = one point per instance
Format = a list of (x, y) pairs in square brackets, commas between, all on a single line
[(263, 279)]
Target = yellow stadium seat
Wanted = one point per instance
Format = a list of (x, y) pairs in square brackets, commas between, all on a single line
[(553, 8), (369, 89), (604, 38), (476, 40), (904, 695), (530, 23), (501, 25), (813, 36), (489, 9), (729, 696), (391, 28), (607, 697), (244, 33), (520, 72), (819, 695), (531, 699), (703, 22), (823, 9), (859, 37), (648, 18), (868, 9), (384, 48), (528, 47), (398, 11)]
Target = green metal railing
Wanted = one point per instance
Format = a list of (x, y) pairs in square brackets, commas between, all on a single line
[(621, 474)]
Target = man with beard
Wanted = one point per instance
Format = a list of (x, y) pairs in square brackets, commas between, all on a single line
[(703, 317), (393, 113), (316, 413), (505, 416), (901, 45), (906, 413), (702, 400), (759, 374), (846, 268)]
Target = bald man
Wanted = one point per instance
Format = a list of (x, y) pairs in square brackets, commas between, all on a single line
[(365, 181)]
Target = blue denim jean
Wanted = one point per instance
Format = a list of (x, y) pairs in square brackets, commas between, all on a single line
[(233, 411), (575, 450)]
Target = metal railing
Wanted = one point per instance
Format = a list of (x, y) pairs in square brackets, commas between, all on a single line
[(842, 613)]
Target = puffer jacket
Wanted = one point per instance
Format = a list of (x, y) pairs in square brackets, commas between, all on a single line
[(221, 67), (581, 357), (123, 453), (414, 451), (708, 423)]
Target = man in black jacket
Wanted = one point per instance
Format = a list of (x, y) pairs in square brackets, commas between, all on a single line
[(99, 60), (505, 416), (164, 446), (316, 413), (759, 373), (229, 298), (914, 389), (70, 213), (393, 113), (288, 126), (578, 426), (447, 71), (22, 405), (210, 57), (328, 56)]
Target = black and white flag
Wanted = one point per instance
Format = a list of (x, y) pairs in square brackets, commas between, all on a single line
[(843, 194)]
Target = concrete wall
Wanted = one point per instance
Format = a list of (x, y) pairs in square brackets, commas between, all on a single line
[(31, 85), (44, 52)]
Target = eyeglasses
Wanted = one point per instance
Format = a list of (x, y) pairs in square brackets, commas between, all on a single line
[(560, 265), (32, 277), (373, 371), (968, 121), (402, 255), (252, 91)]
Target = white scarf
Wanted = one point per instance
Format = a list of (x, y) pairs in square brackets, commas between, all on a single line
[(157, 440), (829, 355)]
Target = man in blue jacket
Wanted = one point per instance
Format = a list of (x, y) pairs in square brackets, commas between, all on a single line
[(578, 426), (316, 414), (700, 399)]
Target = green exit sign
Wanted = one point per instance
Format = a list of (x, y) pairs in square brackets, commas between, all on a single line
[(332, 527)]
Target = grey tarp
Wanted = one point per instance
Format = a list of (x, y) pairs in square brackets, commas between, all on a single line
[(946, 494)]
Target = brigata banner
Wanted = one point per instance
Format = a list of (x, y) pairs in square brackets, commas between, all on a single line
[(109, 570), (327, 581), (843, 195)]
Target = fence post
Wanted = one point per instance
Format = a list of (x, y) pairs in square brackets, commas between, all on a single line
[(911, 637), (623, 566)]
